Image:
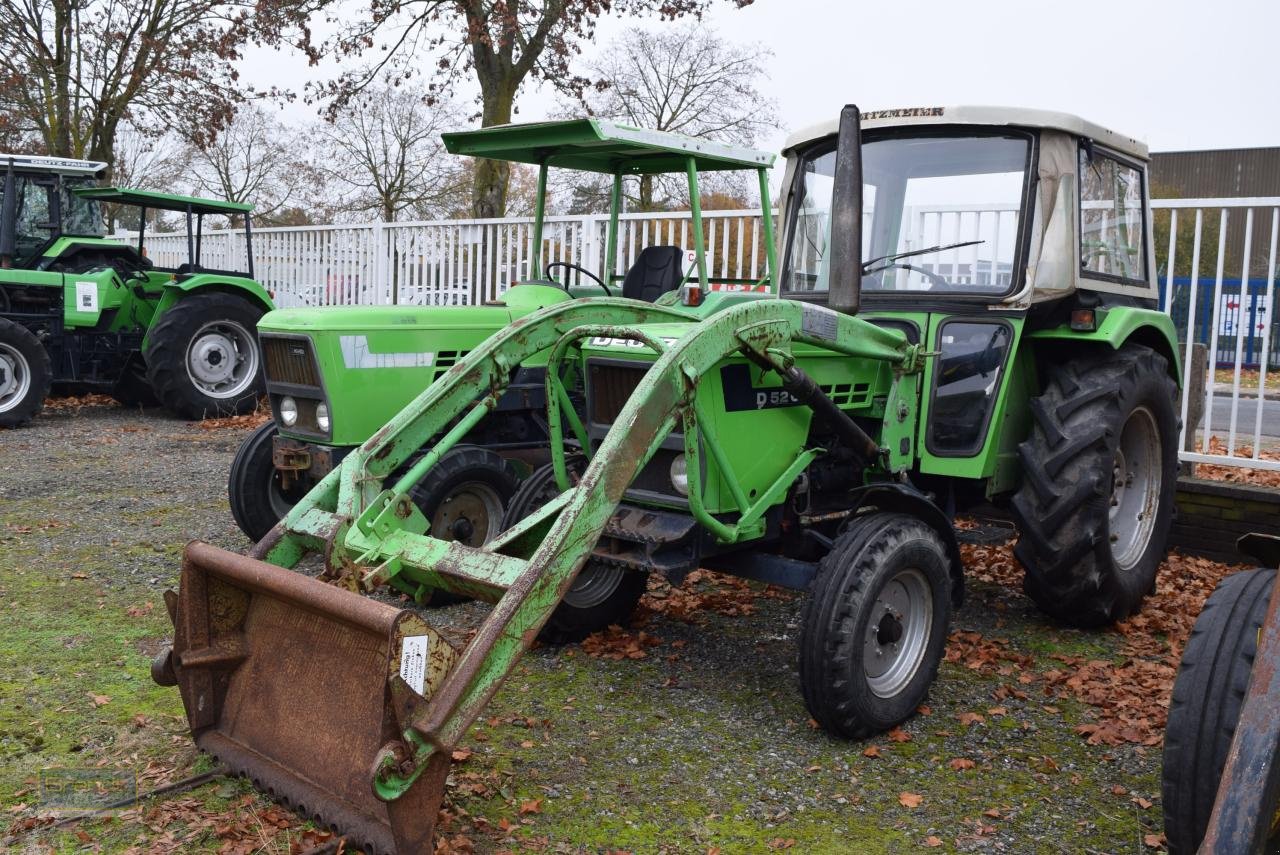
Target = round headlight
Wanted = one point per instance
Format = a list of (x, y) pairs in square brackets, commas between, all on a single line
[(288, 411), (680, 475), (322, 416)]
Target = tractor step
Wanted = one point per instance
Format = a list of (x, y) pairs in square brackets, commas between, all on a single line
[(289, 682)]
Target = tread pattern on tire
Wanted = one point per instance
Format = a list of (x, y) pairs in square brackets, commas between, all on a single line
[(839, 589), (1062, 506), (167, 355), (1207, 697), (252, 519), (41, 373)]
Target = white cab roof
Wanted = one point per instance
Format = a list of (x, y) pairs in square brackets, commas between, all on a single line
[(60, 165), (978, 115)]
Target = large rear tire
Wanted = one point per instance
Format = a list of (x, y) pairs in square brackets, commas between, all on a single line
[(601, 595), (874, 627), (25, 374), (203, 359), (1208, 694), (1099, 474), (255, 489)]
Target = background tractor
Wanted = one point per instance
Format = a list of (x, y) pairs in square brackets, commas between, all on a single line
[(820, 442), (85, 312), (336, 375)]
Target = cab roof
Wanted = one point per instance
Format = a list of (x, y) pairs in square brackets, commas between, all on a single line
[(1018, 117), (162, 201), (59, 165), (599, 145)]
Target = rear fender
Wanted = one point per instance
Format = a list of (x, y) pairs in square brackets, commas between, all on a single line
[(1121, 325), (904, 499), (177, 289)]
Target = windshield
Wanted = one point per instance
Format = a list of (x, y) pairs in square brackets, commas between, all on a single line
[(940, 213), (34, 210), (80, 216)]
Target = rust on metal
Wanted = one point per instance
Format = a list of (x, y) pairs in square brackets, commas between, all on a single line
[(1249, 791)]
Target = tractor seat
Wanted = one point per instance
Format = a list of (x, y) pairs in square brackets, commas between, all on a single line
[(656, 271)]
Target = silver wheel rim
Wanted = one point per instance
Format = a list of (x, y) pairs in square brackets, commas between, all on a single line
[(16, 382), (594, 584), (1135, 488), (222, 359), (897, 633), (471, 514)]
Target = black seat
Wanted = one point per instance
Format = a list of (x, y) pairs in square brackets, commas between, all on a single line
[(657, 270)]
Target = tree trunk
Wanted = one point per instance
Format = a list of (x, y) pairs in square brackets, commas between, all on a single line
[(60, 144), (489, 188), (646, 193)]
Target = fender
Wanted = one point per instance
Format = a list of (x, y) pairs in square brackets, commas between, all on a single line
[(1122, 324), (176, 289), (903, 498)]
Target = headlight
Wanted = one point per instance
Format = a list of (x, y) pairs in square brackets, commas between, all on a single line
[(322, 416), (680, 475), (288, 411)]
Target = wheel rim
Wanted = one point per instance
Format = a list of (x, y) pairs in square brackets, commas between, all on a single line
[(222, 360), (897, 633), (16, 380), (278, 498), (594, 584), (471, 515), (1135, 488)]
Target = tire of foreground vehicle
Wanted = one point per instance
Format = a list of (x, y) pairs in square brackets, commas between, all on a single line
[(874, 626), (465, 497), (1208, 694), (254, 488), (203, 359), (601, 595), (25, 374), (1099, 475)]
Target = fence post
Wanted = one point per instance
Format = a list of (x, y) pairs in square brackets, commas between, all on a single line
[(380, 267), (1197, 376)]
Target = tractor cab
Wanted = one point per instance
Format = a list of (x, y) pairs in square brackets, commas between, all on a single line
[(616, 150), (38, 206)]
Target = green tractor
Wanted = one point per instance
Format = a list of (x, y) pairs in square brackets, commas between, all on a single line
[(967, 313), (335, 375), (89, 313)]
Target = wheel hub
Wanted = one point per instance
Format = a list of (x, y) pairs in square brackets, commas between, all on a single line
[(897, 634), (470, 515), (15, 377), (1135, 488), (222, 360)]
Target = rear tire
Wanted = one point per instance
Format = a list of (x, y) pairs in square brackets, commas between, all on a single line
[(601, 595), (255, 488), (203, 359), (132, 388), (25, 374), (1208, 694), (874, 626), (1099, 474), (465, 498)]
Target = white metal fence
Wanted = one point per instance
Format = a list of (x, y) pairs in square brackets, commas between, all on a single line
[(1201, 242)]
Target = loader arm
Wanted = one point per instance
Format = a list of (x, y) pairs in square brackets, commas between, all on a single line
[(430, 695)]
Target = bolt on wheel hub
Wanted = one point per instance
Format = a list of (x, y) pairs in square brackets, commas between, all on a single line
[(222, 360)]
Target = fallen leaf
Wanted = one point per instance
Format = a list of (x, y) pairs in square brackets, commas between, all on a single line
[(961, 763), (899, 735), (910, 800), (932, 842), (1143, 803), (872, 751), (99, 700), (531, 806), (970, 718), (1155, 841), (460, 755)]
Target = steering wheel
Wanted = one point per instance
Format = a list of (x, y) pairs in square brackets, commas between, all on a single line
[(565, 284)]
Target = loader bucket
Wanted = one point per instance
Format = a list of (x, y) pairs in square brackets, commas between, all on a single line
[(287, 680)]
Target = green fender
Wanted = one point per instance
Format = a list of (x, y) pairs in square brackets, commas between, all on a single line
[(176, 289), (1122, 324)]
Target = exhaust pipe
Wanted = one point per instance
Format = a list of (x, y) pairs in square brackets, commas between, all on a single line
[(845, 275)]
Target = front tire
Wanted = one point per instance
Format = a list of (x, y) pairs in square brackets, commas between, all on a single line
[(1099, 475), (255, 488), (1208, 694), (203, 359), (875, 624), (25, 374), (601, 595)]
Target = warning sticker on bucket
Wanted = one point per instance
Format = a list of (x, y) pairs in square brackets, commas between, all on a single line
[(413, 661)]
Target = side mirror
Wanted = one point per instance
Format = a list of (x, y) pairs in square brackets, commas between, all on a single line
[(845, 275)]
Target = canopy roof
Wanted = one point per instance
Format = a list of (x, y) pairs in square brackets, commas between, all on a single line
[(162, 201), (59, 165), (597, 145)]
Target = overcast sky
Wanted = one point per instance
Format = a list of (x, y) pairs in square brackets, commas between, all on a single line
[(1178, 74)]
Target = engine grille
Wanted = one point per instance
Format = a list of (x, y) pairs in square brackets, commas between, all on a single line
[(609, 386), (289, 360)]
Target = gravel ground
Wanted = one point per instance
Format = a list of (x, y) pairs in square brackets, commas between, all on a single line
[(700, 744)]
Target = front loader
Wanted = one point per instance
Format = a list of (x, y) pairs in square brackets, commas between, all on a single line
[(784, 440)]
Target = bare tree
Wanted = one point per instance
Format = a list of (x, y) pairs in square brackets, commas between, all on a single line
[(383, 155), (144, 161), (73, 70), (503, 42), (685, 80), (254, 159)]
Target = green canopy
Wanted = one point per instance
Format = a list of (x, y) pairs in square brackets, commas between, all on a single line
[(596, 145), (162, 201)]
